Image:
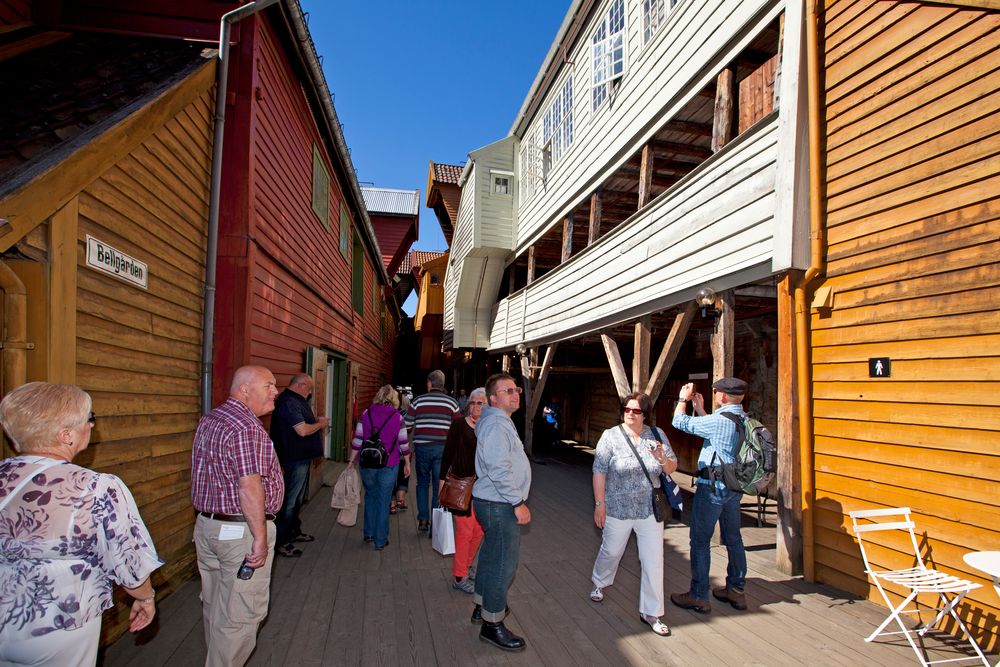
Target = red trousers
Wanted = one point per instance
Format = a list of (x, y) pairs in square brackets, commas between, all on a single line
[(468, 535)]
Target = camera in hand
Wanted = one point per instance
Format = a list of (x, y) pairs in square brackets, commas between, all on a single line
[(245, 571)]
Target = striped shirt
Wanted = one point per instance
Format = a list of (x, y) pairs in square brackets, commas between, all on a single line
[(430, 416), (231, 443)]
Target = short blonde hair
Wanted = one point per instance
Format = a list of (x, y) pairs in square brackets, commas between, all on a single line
[(34, 413), (387, 395)]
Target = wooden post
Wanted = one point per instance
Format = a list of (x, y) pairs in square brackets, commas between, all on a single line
[(617, 367), (671, 348), (788, 554), (63, 233), (722, 125), (594, 229), (640, 356), (567, 241), (505, 363), (543, 376), (722, 338), (531, 265), (528, 393), (645, 175), (781, 56)]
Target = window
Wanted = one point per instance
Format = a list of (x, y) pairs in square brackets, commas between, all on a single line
[(607, 50), (358, 276), (530, 164), (345, 232), (501, 181), (435, 279), (557, 128), (320, 189), (654, 13)]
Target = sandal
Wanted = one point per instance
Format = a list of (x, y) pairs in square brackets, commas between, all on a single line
[(401, 505), (597, 594), (658, 627), (393, 508), (288, 551)]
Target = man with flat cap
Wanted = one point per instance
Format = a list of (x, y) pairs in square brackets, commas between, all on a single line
[(713, 502)]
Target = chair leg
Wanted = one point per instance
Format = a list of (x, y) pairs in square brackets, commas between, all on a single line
[(894, 615), (950, 609)]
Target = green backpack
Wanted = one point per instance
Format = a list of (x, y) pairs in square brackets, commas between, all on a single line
[(755, 459)]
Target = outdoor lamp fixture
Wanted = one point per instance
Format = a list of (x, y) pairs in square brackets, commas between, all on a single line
[(706, 299), (521, 349)]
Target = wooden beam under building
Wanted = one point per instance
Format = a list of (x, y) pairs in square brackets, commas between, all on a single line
[(640, 357), (723, 337), (594, 229), (671, 348), (788, 552), (722, 126), (645, 177), (567, 239), (617, 367)]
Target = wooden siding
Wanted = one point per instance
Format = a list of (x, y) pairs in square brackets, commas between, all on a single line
[(461, 246), (912, 112), (711, 228), (660, 77), (300, 283), (494, 222)]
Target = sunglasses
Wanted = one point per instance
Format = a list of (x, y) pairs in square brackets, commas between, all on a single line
[(509, 391), (634, 411), (92, 419)]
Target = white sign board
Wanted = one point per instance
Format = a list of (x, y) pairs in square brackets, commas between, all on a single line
[(104, 258)]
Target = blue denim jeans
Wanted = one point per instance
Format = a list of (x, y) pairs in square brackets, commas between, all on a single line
[(287, 522), (711, 505), (497, 556), (428, 459), (378, 483)]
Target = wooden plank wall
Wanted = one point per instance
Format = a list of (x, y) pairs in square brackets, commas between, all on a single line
[(912, 112), (300, 282)]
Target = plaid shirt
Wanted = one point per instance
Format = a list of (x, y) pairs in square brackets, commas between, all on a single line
[(231, 443), (719, 434)]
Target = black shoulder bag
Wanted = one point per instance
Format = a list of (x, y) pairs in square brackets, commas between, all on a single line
[(661, 506)]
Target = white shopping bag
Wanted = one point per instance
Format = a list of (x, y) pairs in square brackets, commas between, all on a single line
[(442, 532)]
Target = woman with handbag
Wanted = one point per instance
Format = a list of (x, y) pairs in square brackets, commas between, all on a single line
[(627, 468), (459, 462)]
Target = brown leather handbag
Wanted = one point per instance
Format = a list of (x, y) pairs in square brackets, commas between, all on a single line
[(457, 492)]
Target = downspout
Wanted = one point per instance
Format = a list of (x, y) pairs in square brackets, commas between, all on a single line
[(816, 268), (211, 259)]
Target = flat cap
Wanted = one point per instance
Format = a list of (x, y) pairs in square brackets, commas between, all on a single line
[(731, 386)]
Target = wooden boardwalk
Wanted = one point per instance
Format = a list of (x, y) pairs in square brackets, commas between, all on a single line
[(342, 603)]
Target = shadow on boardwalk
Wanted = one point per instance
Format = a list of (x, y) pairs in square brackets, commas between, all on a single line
[(342, 603)]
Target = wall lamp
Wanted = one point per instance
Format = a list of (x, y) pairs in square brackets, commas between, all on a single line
[(521, 349), (706, 299)]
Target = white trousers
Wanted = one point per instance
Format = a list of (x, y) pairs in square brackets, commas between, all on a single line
[(60, 648), (649, 539)]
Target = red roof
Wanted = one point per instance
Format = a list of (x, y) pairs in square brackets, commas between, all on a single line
[(417, 258), (447, 173)]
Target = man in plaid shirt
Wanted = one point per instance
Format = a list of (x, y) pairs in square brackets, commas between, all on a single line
[(237, 488)]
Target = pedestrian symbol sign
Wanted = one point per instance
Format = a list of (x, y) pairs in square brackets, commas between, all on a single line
[(879, 367)]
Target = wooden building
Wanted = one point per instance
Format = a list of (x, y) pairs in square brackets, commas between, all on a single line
[(106, 200), (771, 191)]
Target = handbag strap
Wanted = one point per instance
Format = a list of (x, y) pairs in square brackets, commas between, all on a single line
[(636, 452), (378, 433), (20, 485)]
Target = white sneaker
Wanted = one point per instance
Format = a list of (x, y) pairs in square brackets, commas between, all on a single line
[(597, 594)]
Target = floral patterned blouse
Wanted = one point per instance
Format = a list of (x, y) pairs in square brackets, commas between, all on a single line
[(64, 538), (628, 493)]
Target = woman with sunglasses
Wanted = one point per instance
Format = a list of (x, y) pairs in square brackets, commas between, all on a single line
[(66, 534), (623, 504)]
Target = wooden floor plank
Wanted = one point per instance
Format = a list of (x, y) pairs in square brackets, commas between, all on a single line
[(342, 603)]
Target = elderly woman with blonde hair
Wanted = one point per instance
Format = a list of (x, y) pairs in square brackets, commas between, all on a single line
[(66, 534), (381, 420)]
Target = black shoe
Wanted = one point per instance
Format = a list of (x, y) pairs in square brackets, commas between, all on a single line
[(369, 538), (423, 525), (477, 614), (498, 635)]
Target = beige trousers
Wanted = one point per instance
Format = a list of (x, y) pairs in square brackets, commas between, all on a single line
[(232, 609)]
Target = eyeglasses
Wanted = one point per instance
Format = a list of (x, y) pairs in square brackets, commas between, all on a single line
[(477, 402), (634, 411), (92, 419), (508, 391)]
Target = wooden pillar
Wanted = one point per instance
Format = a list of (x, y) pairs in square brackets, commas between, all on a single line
[(640, 356), (645, 175), (617, 367), (722, 337), (63, 232), (671, 348), (567, 240), (512, 280), (531, 265), (505, 363), (531, 404), (722, 125), (594, 229), (788, 554)]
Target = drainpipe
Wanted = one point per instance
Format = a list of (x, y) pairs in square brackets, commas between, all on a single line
[(817, 266), (211, 259)]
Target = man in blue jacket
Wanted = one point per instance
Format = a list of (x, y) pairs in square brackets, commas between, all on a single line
[(713, 502)]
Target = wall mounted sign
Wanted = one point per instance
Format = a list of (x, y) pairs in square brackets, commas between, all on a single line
[(104, 258), (879, 367)]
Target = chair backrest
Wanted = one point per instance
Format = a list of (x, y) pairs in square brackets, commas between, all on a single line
[(902, 522)]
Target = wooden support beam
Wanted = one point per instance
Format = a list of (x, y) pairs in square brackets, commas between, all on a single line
[(640, 356), (671, 348), (531, 265), (777, 67), (788, 554), (645, 178), (700, 129), (723, 337), (505, 363), (567, 239), (594, 229), (526, 378), (63, 241), (722, 125), (617, 367), (678, 149), (543, 376)]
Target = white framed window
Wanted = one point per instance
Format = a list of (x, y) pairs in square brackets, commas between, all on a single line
[(501, 182), (530, 164), (557, 127), (607, 50)]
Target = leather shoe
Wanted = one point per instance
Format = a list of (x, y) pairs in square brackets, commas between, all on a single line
[(477, 614), (688, 601), (733, 596), (498, 635)]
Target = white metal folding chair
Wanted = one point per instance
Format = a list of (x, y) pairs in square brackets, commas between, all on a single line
[(918, 579)]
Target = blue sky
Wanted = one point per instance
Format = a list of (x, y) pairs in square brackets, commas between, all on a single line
[(424, 80)]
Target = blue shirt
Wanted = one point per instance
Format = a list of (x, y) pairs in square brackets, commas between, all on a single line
[(719, 435)]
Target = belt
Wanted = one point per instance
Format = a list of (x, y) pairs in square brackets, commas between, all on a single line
[(218, 516)]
